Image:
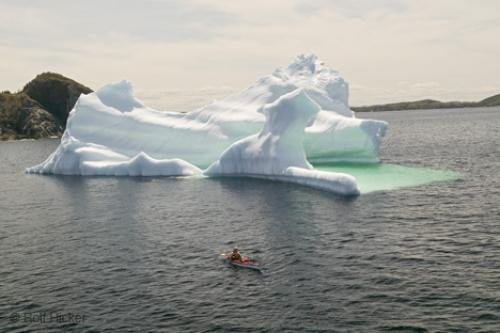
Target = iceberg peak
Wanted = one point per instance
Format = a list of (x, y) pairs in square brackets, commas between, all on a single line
[(306, 64), (119, 96), (323, 84), (289, 108)]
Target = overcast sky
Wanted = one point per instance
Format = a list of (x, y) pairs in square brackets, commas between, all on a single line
[(388, 50)]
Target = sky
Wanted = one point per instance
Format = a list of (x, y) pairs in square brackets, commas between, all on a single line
[(388, 50)]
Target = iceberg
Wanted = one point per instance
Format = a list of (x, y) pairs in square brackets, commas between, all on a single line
[(111, 132), (277, 152)]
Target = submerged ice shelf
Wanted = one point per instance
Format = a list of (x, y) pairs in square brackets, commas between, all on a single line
[(384, 176), (274, 129)]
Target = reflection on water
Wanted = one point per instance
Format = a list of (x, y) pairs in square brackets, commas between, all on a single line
[(379, 177)]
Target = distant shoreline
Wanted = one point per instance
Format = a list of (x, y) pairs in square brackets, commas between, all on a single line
[(428, 104), (356, 109)]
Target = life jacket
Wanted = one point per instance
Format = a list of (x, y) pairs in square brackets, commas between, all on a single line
[(235, 256)]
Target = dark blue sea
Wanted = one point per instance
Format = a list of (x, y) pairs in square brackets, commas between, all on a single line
[(418, 251)]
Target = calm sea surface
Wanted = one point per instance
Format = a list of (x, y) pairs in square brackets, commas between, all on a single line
[(103, 254)]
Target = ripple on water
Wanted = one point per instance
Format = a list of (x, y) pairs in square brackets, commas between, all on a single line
[(404, 329)]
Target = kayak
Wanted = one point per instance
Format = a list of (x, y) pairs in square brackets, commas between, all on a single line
[(245, 263)]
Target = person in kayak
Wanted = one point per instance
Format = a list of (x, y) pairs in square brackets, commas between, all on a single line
[(236, 256)]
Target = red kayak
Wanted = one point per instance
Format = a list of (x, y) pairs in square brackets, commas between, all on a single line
[(244, 263)]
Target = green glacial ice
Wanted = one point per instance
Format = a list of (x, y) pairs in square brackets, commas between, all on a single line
[(379, 177)]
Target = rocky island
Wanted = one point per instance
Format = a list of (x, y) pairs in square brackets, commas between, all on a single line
[(40, 109)]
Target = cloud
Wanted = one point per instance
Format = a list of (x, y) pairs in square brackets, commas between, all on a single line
[(358, 9), (52, 23), (162, 45)]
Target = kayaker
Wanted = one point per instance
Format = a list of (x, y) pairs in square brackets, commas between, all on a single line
[(235, 255)]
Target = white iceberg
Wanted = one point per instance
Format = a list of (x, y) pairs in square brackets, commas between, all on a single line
[(277, 151), (110, 132)]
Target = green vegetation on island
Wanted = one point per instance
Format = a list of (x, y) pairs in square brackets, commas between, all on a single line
[(429, 104), (40, 109)]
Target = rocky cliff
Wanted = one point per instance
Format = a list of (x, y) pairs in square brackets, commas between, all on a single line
[(40, 109)]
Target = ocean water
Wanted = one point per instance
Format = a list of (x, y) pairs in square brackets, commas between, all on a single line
[(418, 251)]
